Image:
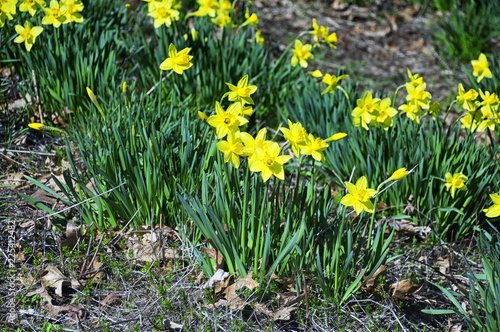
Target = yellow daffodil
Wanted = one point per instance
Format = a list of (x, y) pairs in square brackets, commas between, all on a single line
[(31, 6), (54, 15), (318, 31), (251, 143), (494, 210), (228, 121), (178, 61), (412, 111), (333, 82), (164, 13), (385, 114), (7, 11), (336, 137), (41, 126), (269, 162), (296, 135), (331, 38), (415, 80), (207, 8), (301, 53), (202, 116), (27, 34), (36, 126), (222, 20), (72, 8), (366, 110), (418, 96), (399, 174), (466, 98), (455, 182), (258, 38), (232, 148), (490, 103), (481, 68), (247, 110), (242, 91), (253, 20), (314, 147), (359, 196), (317, 73), (470, 121)]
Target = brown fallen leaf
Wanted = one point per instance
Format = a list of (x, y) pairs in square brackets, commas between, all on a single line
[(371, 284), (215, 255), (218, 281), (73, 233), (232, 297), (75, 312), (110, 299), (444, 265), (403, 290)]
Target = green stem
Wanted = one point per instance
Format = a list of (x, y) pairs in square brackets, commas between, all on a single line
[(346, 96), (396, 94)]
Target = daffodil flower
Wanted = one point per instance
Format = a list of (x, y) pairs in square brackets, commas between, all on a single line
[(27, 34), (455, 182), (54, 15), (385, 114), (494, 210), (359, 196), (296, 135), (207, 8), (333, 82), (399, 174), (314, 147), (252, 143), (466, 98), (72, 8), (242, 91), (228, 121), (269, 162), (232, 148), (415, 80), (252, 19), (31, 6), (164, 13), (481, 68), (301, 53), (366, 110), (178, 61)]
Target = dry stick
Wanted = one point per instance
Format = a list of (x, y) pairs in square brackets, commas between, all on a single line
[(88, 199), (37, 97), (35, 152), (154, 86)]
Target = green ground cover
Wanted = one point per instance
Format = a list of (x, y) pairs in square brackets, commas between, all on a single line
[(179, 116)]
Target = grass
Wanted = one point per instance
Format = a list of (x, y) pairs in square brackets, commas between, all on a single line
[(165, 199)]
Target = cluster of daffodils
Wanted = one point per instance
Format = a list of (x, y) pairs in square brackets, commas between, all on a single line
[(302, 52), (374, 112), (56, 13), (264, 156), (377, 112), (418, 99), (481, 114), (165, 12)]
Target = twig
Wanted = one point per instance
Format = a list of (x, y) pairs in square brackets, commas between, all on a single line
[(88, 199), (154, 86), (35, 152)]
